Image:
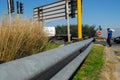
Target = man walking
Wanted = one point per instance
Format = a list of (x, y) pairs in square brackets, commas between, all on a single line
[(109, 37)]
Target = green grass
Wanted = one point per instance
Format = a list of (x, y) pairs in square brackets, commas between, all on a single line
[(51, 46), (92, 66)]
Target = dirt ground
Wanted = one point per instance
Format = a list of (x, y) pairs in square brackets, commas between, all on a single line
[(111, 69)]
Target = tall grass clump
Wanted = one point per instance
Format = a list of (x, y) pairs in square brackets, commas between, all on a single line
[(20, 39)]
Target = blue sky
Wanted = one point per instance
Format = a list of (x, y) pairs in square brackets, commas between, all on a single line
[(95, 12), (101, 12)]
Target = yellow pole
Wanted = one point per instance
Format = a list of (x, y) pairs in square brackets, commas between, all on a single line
[(79, 18)]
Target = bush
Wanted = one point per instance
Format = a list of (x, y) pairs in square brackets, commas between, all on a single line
[(20, 39)]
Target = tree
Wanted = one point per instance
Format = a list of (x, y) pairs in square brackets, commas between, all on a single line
[(60, 30), (89, 30), (100, 28), (86, 30)]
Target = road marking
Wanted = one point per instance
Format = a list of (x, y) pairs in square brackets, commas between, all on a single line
[(118, 57)]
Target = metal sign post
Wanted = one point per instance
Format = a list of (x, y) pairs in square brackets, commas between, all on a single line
[(68, 21), (63, 9), (79, 18)]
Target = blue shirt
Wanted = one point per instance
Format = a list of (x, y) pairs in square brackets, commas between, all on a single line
[(109, 34)]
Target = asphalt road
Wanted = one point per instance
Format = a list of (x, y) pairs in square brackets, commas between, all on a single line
[(115, 47)]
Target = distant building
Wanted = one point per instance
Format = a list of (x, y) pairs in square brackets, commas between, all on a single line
[(50, 30)]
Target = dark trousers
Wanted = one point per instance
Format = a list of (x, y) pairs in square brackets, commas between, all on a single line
[(109, 41)]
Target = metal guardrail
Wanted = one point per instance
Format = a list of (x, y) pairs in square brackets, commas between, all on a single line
[(56, 64)]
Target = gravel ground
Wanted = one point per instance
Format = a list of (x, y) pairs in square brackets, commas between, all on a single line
[(111, 70), (116, 49)]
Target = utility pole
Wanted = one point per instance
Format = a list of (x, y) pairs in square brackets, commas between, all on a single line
[(79, 18), (9, 11), (68, 21), (10, 8)]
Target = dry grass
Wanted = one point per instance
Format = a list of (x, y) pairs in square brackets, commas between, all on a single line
[(20, 39), (110, 65)]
